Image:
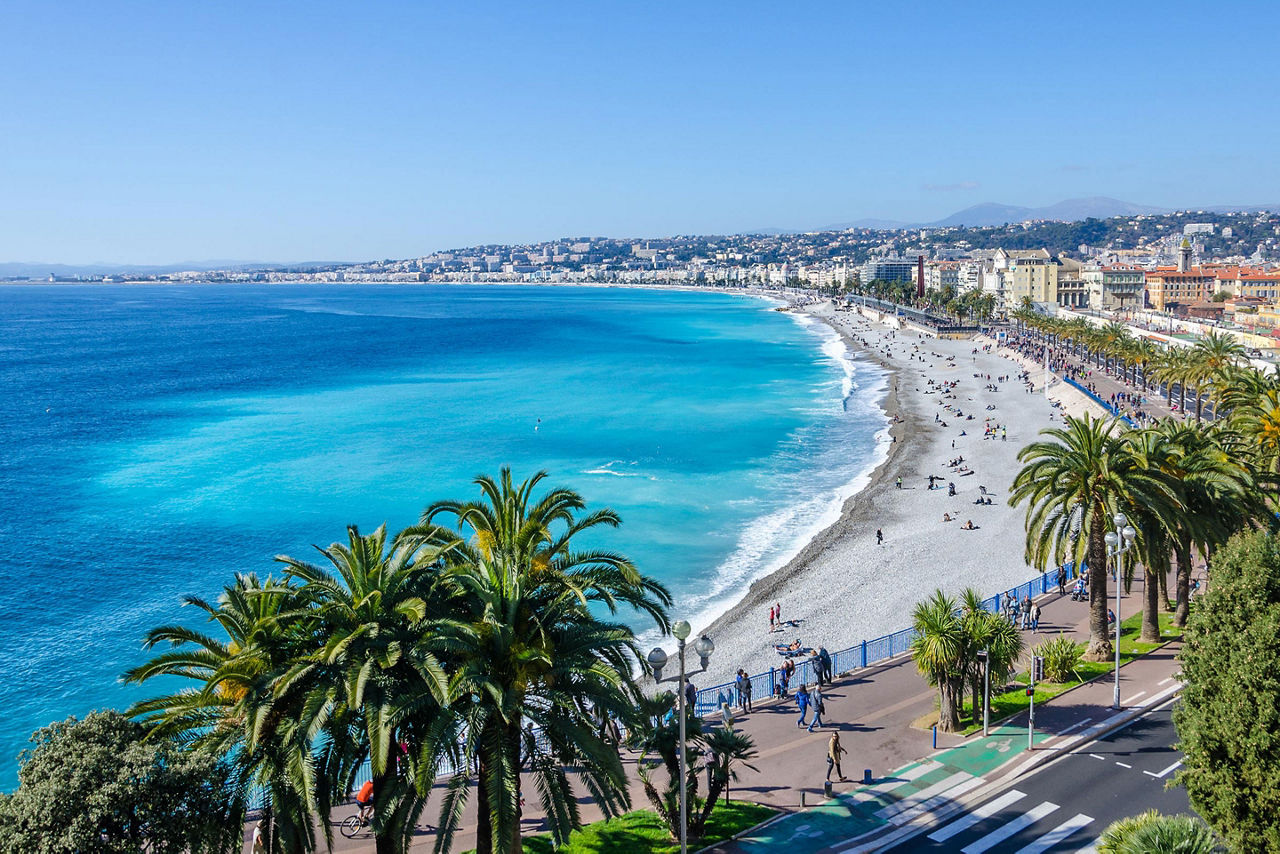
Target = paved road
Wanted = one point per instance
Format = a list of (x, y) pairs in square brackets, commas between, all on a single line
[(1065, 805)]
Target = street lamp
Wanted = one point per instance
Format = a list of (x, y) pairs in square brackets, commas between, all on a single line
[(984, 656), (1117, 545), (657, 659)]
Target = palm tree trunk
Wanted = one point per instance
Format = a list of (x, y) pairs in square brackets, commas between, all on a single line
[(1164, 585), (484, 821), (1099, 648), (386, 839), (1150, 606), (513, 750), (950, 690), (1182, 585)]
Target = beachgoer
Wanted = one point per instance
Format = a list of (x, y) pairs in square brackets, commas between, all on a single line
[(879, 537), (946, 517), (834, 753), (968, 525), (771, 618), (898, 483), (777, 610), (802, 703), (815, 700)]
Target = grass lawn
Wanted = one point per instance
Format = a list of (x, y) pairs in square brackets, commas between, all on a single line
[(642, 832), (1011, 702)]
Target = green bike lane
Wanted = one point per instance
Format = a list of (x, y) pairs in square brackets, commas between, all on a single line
[(902, 796)]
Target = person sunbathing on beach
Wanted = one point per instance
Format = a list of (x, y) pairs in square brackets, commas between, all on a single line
[(946, 517), (969, 526)]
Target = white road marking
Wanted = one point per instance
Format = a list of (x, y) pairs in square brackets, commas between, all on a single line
[(898, 780), (1074, 725), (1123, 765), (1009, 828), (1165, 771), (934, 803), (985, 811), (1096, 756), (1059, 833), (923, 795), (1129, 700), (1165, 681)]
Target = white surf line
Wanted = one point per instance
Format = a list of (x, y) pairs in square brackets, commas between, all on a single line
[(1165, 772), (1008, 829), (923, 795), (1129, 700), (987, 810), (934, 804), (1059, 833)]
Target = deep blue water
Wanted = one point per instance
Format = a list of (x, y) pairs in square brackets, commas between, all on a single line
[(155, 440)]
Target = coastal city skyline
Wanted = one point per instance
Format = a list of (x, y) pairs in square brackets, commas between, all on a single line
[(168, 133)]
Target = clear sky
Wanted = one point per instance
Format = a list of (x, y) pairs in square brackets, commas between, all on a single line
[(172, 131)]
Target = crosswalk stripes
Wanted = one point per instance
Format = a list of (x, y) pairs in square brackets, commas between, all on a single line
[(899, 780), (923, 795), (934, 803), (1009, 828), (1059, 833), (987, 810)]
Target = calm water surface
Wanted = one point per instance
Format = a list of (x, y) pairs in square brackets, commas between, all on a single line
[(155, 440)]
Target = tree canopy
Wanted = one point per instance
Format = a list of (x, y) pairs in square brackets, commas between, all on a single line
[(1229, 718)]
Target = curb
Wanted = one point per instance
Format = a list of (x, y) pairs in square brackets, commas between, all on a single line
[(1041, 756)]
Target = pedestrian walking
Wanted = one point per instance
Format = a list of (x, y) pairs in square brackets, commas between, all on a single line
[(802, 703), (1026, 612), (777, 611), (879, 537), (1035, 616), (690, 695), (898, 483), (741, 682), (815, 701), (1062, 581), (834, 753), (747, 686), (825, 658), (771, 618)]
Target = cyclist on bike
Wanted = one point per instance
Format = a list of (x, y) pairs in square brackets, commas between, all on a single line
[(364, 799)]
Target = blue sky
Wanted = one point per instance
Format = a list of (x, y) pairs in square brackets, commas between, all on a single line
[(160, 132)]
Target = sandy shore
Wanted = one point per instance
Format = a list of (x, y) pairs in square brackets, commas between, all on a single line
[(843, 587)]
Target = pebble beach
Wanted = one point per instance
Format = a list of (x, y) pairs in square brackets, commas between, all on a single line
[(844, 587)]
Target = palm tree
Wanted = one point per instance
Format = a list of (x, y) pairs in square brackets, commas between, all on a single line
[(1216, 354), (371, 680), (997, 637), (1258, 418), (528, 648), (1086, 472), (1177, 368), (1150, 831), (942, 652), (1158, 523), (229, 709)]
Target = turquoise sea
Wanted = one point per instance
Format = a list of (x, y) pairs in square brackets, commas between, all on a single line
[(156, 439)]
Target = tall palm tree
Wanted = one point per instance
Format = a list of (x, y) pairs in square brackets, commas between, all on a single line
[(529, 648), (993, 634), (228, 709), (1257, 416), (1085, 472), (1158, 523), (372, 681), (942, 652), (1178, 368)]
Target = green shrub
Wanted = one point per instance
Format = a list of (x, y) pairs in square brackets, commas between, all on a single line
[(1061, 658)]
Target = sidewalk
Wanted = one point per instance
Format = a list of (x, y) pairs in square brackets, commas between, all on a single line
[(873, 710), (934, 784)]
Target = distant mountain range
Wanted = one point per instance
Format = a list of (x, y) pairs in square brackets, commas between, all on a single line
[(22, 269), (1069, 210)]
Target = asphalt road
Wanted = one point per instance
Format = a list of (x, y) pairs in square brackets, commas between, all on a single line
[(1065, 805)]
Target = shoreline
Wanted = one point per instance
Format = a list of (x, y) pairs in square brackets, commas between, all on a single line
[(841, 585)]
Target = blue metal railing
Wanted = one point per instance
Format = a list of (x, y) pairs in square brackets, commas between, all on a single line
[(863, 654), (1114, 410)]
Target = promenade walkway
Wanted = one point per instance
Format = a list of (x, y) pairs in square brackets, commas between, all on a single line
[(874, 709)]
